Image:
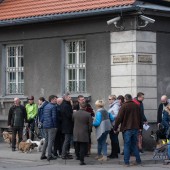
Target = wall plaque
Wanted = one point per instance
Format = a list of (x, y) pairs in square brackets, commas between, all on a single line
[(123, 59), (145, 58)]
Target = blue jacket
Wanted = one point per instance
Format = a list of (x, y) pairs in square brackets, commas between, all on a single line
[(98, 118), (50, 116), (102, 122), (40, 111)]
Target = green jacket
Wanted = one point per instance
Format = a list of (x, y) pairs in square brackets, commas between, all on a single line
[(32, 110)]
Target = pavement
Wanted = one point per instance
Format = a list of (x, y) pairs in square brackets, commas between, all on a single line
[(34, 158)]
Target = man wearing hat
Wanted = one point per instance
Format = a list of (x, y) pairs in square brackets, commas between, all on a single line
[(32, 110)]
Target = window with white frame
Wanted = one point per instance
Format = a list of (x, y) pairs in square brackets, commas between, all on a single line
[(14, 69), (75, 66)]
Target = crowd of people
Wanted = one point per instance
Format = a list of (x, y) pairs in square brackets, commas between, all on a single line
[(64, 125)]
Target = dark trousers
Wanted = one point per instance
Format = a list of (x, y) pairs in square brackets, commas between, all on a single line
[(58, 143), (15, 131), (67, 140), (115, 148), (31, 129), (80, 149)]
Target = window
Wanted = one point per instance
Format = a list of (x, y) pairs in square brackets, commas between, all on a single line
[(14, 70), (76, 66)]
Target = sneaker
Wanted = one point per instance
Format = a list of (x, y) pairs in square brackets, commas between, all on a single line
[(104, 158), (141, 151), (43, 157), (98, 156)]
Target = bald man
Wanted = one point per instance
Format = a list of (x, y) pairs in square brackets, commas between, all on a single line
[(16, 118), (163, 104)]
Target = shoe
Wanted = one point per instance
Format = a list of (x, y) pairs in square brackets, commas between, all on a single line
[(67, 157), (13, 150), (141, 151), (51, 158), (122, 153), (110, 156), (104, 158), (98, 156), (82, 163), (77, 158), (113, 156), (136, 164), (43, 157), (126, 165)]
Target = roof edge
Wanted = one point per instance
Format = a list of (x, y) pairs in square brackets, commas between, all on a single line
[(72, 15)]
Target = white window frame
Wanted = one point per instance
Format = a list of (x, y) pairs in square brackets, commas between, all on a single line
[(15, 86), (80, 86)]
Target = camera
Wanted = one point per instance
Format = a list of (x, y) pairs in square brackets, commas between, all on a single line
[(113, 21), (146, 19)]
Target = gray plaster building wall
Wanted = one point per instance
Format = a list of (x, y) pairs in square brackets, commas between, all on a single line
[(44, 57)]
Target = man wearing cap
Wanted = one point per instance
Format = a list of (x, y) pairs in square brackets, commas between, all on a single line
[(32, 110)]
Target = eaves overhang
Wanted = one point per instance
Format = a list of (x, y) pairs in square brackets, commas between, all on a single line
[(66, 16)]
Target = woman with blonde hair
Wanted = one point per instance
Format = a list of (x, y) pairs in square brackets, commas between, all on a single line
[(102, 123)]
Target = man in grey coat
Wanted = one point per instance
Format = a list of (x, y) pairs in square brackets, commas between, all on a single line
[(82, 127)]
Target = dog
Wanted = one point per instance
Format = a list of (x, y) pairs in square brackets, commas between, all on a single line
[(26, 147), (7, 136), (38, 143)]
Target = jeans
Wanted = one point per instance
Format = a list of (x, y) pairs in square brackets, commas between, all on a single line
[(66, 144), (169, 150), (102, 146), (130, 142), (49, 141)]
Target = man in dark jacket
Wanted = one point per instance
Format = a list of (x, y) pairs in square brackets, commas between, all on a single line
[(139, 101), (131, 122), (50, 121), (16, 118), (163, 104), (67, 124), (82, 127)]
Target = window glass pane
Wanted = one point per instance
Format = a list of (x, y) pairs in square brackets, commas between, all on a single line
[(81, 86), (82, 46), (74, 58), (11, 62), (20, 77), (12, 88), (82, 58), (20, 51), (72, 86), (12, 77), (20, 62), (20, 88), (70, 60), (11, 51), (81, 74), (74, 46), (69, 47)]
